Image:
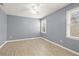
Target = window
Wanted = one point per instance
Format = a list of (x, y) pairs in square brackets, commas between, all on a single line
[(73, 23), (43, 26)]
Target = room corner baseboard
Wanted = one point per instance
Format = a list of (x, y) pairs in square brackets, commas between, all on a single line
[(72, 51), (3, 44), (45, 40)]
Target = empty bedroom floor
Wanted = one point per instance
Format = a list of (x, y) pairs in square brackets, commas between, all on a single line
[(33, 47)]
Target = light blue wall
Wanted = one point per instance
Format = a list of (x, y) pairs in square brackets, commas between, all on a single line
[(56, 28), (3, 27), (22, 27)]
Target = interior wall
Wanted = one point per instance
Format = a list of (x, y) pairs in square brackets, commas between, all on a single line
[(56, 28), (3, 27), (22, 27)]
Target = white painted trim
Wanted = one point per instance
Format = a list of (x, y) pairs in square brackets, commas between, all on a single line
[(45, 40), (17, 40), (67, 24), (3, 44), (44, 21), (22, 39), (68, 21), (74, 38), (61, 46)]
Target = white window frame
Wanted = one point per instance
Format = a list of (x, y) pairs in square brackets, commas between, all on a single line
[(43, 21), (68, 21)]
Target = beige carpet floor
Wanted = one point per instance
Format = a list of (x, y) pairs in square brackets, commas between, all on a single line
[(35, 47)]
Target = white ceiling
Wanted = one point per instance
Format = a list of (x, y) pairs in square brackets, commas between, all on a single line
[(33, 10)]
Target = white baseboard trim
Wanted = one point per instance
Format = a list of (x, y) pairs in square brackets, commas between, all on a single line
[(17, 40), (45, 40), (61, 46), (22, 39), (3, 44)]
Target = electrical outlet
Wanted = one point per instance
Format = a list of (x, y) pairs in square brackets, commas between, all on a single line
[(61, 40)]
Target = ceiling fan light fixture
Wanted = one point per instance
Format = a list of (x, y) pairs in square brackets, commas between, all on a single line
[(35, 8), (34, 12)]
